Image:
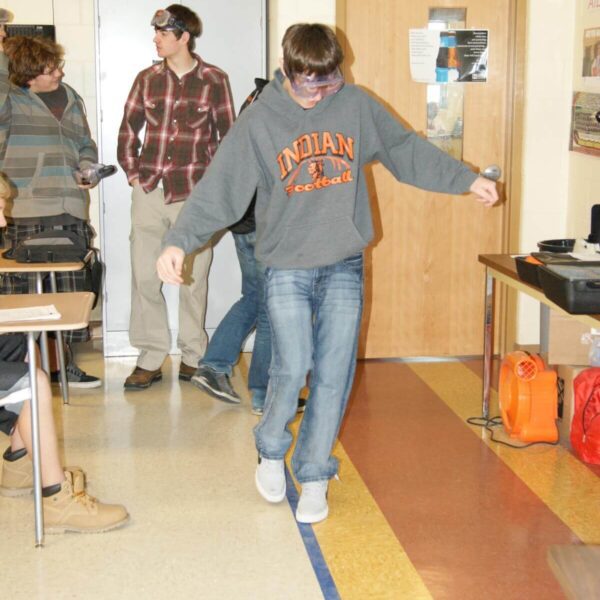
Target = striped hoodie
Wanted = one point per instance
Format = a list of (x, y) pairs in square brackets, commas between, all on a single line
[(39, 154)]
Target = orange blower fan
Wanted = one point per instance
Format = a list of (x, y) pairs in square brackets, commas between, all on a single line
[(528, 398)]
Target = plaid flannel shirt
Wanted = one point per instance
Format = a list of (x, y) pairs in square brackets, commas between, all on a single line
[(185, 120)]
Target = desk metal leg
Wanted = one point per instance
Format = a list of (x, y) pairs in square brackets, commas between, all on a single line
[(61, 352), (44, 335), (35, 442), (488, 341), (544, 328)]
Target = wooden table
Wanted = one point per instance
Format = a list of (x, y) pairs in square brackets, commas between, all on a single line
[(502, 267), (12, 266), (74, 308)]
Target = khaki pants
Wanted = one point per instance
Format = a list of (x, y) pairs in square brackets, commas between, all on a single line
[(149, 331)]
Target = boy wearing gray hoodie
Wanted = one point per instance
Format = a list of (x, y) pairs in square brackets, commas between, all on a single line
[(303, 146)]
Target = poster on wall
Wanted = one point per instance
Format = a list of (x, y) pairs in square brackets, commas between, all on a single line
[(448, 56), (591, 53), (585, 123)]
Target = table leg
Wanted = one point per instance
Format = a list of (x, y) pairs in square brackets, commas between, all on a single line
[(61, 351), (44, 334), (488, 341), (35, 442), (544, 328)]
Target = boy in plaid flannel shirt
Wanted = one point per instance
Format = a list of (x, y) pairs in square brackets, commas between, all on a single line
[(186, 107)]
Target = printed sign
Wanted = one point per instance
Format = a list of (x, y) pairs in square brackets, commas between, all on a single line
[(591, 53), (449, 56)]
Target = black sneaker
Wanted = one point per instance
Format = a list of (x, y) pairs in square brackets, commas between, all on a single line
[(77, 378), (215, 384)]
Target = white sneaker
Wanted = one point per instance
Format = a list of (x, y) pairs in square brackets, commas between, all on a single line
[(270, 479), (312, 506)]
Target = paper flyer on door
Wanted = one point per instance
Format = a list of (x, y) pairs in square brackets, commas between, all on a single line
[(449, 56)]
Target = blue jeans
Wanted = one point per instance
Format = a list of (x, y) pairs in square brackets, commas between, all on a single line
[(247, 313), (315, 320)]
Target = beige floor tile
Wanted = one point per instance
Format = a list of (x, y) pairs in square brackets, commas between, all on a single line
[(183, 465)]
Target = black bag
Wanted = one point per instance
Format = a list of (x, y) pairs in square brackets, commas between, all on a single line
[(62, 246), (50, 247)]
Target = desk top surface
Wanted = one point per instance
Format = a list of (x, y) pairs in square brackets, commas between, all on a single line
[(506, 266), (12, 266), (74, 308), (505, 263)]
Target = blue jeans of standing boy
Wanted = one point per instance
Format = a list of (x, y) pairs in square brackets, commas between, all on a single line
[(246, 314), (315, 320)]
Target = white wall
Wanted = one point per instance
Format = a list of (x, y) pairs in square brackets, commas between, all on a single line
[(548, 90), (584, 170), (283, 13)]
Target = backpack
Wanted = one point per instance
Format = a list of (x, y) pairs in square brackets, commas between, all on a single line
[(247, 223), (585, 428)]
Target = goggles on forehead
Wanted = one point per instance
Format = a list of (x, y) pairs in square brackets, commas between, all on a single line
[(309, 86), (163, 19)]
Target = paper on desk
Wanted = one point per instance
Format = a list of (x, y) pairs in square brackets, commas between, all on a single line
[(586, 256), (29, 313)]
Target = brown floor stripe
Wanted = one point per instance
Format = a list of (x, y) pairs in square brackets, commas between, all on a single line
[(469, 525)]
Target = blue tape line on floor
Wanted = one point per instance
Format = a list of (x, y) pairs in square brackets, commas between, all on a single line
[(311, 544)]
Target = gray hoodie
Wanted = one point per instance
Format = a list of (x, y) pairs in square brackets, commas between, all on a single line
[(312, 206)]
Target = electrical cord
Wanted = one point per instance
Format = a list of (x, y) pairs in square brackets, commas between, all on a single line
[(489, 424)]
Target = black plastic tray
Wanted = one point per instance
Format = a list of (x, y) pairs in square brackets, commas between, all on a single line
[(528, 272), (575, 288)]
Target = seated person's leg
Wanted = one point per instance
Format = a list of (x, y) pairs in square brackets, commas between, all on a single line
[(52, 472), (67, 507)]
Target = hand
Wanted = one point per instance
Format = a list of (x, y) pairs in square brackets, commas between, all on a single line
[(86, 179), (3, 36), (169, 265), (135, 182), (486, 191)]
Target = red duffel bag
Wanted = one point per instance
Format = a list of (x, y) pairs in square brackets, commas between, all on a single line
[(585, 429)]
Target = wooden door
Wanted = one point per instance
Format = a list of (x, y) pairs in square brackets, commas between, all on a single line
[(424, 285)]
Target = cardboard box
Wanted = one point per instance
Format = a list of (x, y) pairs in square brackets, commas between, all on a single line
[(564, 341), (567, 373)]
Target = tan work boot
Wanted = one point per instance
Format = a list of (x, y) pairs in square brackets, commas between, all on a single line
[(72, 509), (17, 475)]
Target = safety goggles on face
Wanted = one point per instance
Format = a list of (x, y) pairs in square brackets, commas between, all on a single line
[(309, 86), (163, 19)]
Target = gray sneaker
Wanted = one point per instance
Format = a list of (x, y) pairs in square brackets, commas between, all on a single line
[(215, 384)]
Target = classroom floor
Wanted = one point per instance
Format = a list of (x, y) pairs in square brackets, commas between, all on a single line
[(426, 506)]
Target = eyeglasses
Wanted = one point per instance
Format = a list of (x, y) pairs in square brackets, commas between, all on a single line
[(50, 69), (309, 86), (163, 19)]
